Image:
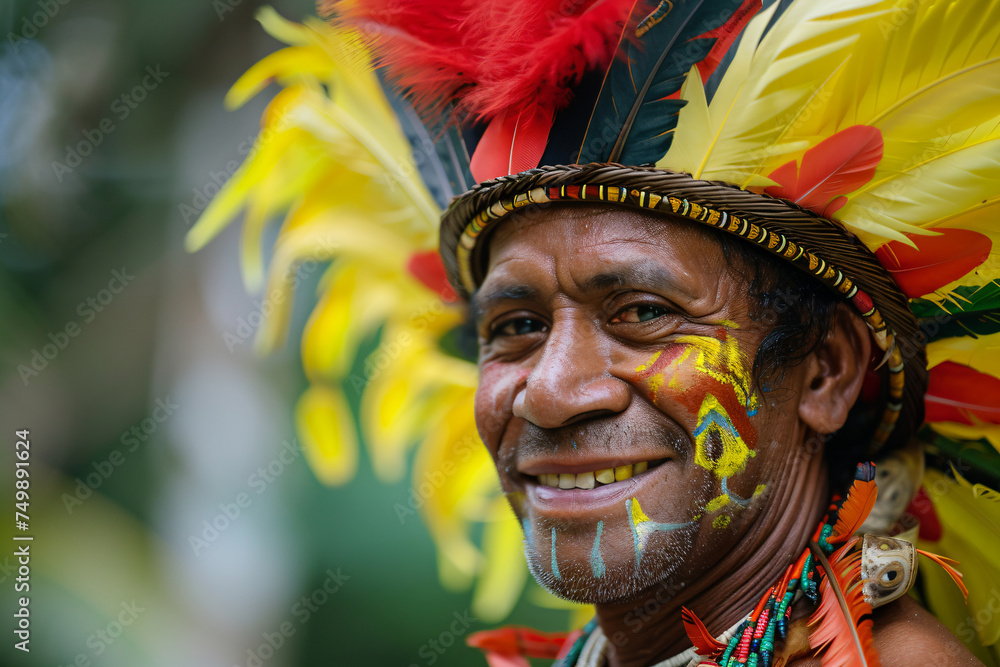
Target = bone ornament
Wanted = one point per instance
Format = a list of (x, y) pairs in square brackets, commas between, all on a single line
[(888, 568)]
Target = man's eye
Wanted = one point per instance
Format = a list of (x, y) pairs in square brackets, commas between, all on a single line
[(641, 313), (520, 326)]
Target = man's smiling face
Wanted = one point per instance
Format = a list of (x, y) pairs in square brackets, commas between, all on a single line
[(616, 399)]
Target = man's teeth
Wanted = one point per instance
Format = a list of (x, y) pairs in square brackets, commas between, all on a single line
[(588, 480)]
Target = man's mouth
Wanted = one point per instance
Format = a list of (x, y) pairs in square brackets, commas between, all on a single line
[(595, 478)]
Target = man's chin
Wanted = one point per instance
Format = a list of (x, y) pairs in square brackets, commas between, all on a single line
[(619, 584)]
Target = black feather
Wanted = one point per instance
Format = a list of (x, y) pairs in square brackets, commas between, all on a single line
[(632, 123)]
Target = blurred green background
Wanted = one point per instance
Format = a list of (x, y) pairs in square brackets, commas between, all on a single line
[(175, 521)]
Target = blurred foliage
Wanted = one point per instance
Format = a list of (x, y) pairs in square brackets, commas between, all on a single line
[(112, 133)]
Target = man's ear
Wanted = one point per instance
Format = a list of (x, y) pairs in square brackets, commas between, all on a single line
[(834, 372)]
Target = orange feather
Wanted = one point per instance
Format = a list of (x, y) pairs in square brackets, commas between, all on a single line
[(858, 504), (842, 624), (946, 563), (704, 642)]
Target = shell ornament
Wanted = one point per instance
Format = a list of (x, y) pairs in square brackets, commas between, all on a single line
[(888, 568)]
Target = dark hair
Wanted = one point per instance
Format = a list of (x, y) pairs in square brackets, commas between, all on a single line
[(800, 311)]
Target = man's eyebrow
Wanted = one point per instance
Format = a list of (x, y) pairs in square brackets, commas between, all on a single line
[(483, 301), (638, 275)]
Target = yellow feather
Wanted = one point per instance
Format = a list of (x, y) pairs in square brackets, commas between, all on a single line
[(406, 395), (346, 314), (287, 66), (694, 126), (280, 28), (976, 545), (975, 431), (928, 76), (451, 454), (931, 186), (329, 439), (956, 102), (504, 572), (981, 353), (328, 237), (905, 56), (770, 82)]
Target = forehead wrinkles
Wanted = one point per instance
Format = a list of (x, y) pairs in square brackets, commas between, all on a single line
[(620, 243)]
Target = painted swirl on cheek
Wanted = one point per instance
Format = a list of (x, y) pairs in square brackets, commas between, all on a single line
[(643, 526), (709, 376)]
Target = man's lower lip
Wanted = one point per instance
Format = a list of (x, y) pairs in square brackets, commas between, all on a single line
[(571, 503)]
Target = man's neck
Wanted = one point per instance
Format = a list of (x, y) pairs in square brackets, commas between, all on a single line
[(649, 630)]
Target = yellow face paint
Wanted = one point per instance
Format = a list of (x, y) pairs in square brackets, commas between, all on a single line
[(643, 526), (717, 503), (713, 419), (723, 361), (710, 377)]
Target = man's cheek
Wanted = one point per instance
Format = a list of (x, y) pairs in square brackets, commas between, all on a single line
[(494, 399)]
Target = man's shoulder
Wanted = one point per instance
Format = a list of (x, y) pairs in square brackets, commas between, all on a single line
[(907, 634)]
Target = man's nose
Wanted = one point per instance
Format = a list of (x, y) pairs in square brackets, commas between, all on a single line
[(572, 380)]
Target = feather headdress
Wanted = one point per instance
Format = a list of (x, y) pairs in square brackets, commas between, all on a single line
[(859, 140)]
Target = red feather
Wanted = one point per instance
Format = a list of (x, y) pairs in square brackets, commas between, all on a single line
[(856, 508), (568, 644), (922, 507), (504, 660), (957, 393), (704, 642), (946, 563), (936, 261), (512, 143), (488, 55), (519, 641), (838, 165), (428, 269), (725, 35), (842, 623)]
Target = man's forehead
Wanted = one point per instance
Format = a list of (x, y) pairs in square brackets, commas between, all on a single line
[(595, 221), (597, 249)]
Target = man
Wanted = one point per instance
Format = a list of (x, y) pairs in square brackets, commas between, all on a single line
[(602, 332), (651, 460), (695, 335)]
